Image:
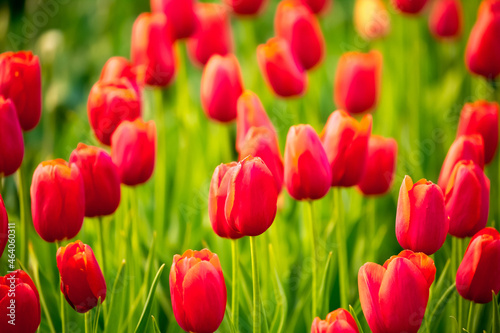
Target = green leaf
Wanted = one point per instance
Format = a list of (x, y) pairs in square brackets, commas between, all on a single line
[(143, 321), (116, 300), (323, 292), (353, 313), (279, 292), (495, 325), (437, 312), (155, 325)]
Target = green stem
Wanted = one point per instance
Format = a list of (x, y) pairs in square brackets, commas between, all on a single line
[(62, 301), (22, 216), (87, 322), (101, 243), (314, 259), (469, 318), (234, 296), (460, 305), (342, 252), (371, 211), (160, 187), (256, 291)]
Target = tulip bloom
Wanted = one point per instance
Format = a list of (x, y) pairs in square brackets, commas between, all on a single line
[(409, 6), (198, 291), (445, 20), (221, 86), (394, 296), (279, 68), (4, 227), (26, 302), (421, 223), (479, 272), (213, 33), (11, 140), (481, 117), (317, 6), (307, 171), (483, 48), (339, 320), (467, 184), (152, 50), (133, 150), (117, 68), (296, 24), (82, 282), (180, 15), (246, 7), (100, 177), (357, 81), (380, 165), (57, 200), (371, 19), (20, 80), (109, 104)]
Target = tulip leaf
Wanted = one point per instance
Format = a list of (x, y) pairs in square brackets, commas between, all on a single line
[(353, 313), (279, 292), (323, 292), (155, 325), (437, 312), (143, 321), (438, 286), (115, 300), (495, 325)]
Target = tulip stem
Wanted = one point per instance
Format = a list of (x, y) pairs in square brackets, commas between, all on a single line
[(101, 242), (61, 299), (469, 318), (314, 259), (22, 217), (234, 296), (256, 291), (342, 252), (87, 322)]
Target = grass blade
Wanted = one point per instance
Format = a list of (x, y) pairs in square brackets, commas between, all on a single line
[(143, 321)]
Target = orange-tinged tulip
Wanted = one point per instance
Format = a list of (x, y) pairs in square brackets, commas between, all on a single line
[(371, 19), (11, 138), (423, 262), (409, 6), (445, 20), (246, 7), (117, 68), (4, 227), (180, 15), (317, 6), (339, 320)]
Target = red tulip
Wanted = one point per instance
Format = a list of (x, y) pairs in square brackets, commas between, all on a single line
[(346, 145), (394, 296), (20, 80), (180, 15), (100, 177), (280, 70), (481, 117), (317, 6), (296, 24), (483, 48), (221, 86), (4, 227), (421, 223), (198, 291), (357, 81), (117, 68), (465, 147), (380, 165), (445, 20), (409, 6), (19, 303), (246, 7), (109, 104), (339, 320), (213, 33), (468, 184), (11, 139), (152, 50), (307, 171), (133, 150), (82, 282), (371, 19), (57, 200)]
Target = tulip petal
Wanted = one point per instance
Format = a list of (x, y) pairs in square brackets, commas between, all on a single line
[(370, 278)]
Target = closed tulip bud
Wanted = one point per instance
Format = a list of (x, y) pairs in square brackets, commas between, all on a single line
[(346, 145), (307, 171), (467, 184), (371, 19), (380, 165), (100, 177), (212, 35), (357, 81), (152, 50), (317, 6), (445, 20), (409, 6), (483, 47), (198, 291), (109, 104), (394, 296), (57, 200), (339, 320), (19, 293), (296, 24), (282, 73), (117, 68), (221, 86), (481, 117), (465, 147), (246, 7), (11, 140), (180, 14), (82, 281), (20, 80), (133, 150), (479, 272)]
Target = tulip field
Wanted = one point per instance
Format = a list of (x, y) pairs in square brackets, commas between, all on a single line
[(257, 166)]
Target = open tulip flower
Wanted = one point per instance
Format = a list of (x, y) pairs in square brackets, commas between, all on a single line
[(180, 15), (339, 320), (445, 20), (371, 19), (11, 138), (246, 7), (409, 6)]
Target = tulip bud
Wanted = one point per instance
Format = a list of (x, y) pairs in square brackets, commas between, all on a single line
[(212, 35), (221, 86), (371, 19), (357, 81), (100, 178), (445, 20), (133, 150), (465, 147), (423, 262), (109, 104), (481, 117), (57, 200), (346, 145), (19, 303), (317, 6), (198, 291), (339, 320), (409, 6), (246, 7), (180, 15), (380, 165), (297, 25), (20, 80), (421, 223), (152, 50), (11, 140), (117, 68), (4, 227), (82, 281), (281, 71), (307, 171)]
